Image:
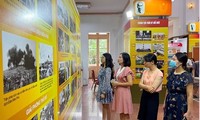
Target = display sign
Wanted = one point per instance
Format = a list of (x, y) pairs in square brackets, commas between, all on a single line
[(147, 36), (193, 27), (40, 59), (152, 7)]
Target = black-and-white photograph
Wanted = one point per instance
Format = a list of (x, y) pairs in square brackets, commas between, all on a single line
[(73, 85), (143, 47), (19, 61), (67, 91), (64, 97), (143, 35), (67, 47), (67, 69), (139, 72), (61, 72), (72, 26), (47, 112), (35, 117), (72, 47), (62, 100), (158, 49), (139, 60), (158, 36), (44, 10), (61, 41), (30, 4), (46, 61), (62, 13), (73, 67)]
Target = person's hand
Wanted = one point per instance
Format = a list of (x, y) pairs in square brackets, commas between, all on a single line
[(113, 80), (150, 89), (114, 83), (102, 96), (163, 106), (188, 115)]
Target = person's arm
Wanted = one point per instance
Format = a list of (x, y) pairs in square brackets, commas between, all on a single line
[(165, 99), (189, 90), (125, 84), (142, 85), (157, 82), (193, 70)]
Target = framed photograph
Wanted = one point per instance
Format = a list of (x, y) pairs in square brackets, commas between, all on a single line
[(139, 60), (72, 25), (46, 61), (73, 67), (44, 10), (73, 85), (67, 69), (143, 47), (61, 72), (139, 72), (158, 49), (158, 36), (19, 61), (72, 47), (61, 40), (47, 112), (62, 13), (67, 45), (143, 35), (64, 97), (30, 4)]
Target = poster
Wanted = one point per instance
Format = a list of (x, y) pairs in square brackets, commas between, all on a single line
[(40, 55), (147, 36)]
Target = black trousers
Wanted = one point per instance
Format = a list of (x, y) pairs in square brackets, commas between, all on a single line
[(148, 106)]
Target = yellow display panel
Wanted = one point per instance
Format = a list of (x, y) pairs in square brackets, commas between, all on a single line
[(144, 39), (38, 41)]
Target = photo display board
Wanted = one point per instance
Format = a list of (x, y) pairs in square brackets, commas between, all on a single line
[(146, 36), (40, 59)]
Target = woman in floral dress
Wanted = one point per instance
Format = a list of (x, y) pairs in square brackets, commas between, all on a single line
[(104, 93), (179, 96)]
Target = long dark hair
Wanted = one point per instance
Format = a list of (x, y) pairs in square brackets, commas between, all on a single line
[(152, 57), (182, 58), (109, 63), (126, 59)]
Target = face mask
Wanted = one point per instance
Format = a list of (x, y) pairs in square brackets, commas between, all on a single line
[(172, 64)]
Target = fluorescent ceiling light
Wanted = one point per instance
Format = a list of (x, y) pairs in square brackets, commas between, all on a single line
[(83, 5)]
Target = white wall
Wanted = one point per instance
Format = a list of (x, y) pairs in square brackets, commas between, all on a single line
[(99, 23), (182, 15)]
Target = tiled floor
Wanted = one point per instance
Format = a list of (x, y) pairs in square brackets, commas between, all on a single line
[(89, 109)]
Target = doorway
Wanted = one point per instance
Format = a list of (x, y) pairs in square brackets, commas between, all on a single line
[(97, 45)]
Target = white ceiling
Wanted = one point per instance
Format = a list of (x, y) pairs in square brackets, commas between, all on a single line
[(104, 6)]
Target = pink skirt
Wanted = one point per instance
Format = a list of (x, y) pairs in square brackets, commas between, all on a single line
[(122, 102)]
